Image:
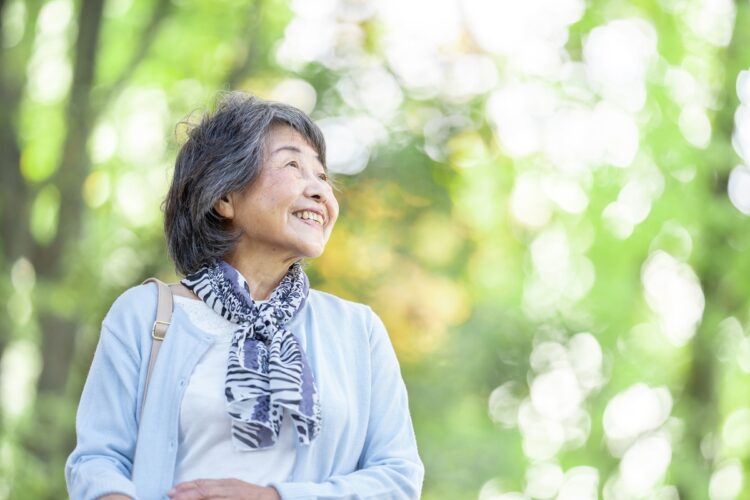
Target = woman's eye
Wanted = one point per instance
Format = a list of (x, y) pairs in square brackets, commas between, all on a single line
[(293, 164)]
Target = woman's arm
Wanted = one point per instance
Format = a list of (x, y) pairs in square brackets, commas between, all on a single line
[(106, 426), (389, 465)]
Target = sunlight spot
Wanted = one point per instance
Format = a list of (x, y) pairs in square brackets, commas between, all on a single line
[(507, 27), (504, 402), (315, 8), (49, 72), (542, 437), (674, 293), (683, 86), (346, 152), (528, 204), (561, 276), (743, 86), (644, 464), (739, 188), (565, 274), (580, 483), (695, 126), (45, 214), (547, 356), (543, 480), (619, 135), (741, 134), (306, 39), (97, 189), (103, 142), (726, 481), (494, 490), (565, 193), (14, 23), (617, 56), (585, 355), (144, 115), (19, 369), (632, 412), (743, 354), (295, 92), (729, 336), (712, 20), (417, 68), (469, 75), (439, 23), (577, 137), (550, 254), (117, 8), (135, 199), (556, 394), (567, 139), (374, 90), (577, 428), (54, 17), (735, 433), (518, 112), (634, 201), (23, 275), (123, 265)]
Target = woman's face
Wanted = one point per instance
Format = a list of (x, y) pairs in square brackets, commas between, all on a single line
[(290, 209)]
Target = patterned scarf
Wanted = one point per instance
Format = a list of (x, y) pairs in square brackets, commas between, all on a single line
[(267, 369)]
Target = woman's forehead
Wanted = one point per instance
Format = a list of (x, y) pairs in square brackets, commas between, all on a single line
[(282, 138)]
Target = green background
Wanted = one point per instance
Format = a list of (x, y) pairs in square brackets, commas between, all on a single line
[(561, 310)]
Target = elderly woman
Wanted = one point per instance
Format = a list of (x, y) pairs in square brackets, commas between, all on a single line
[(264, 388)]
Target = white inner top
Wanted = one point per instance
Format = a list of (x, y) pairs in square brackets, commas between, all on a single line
[(205, 447)]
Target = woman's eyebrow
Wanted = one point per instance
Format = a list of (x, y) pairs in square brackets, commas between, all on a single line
[(294, 149), (297, 150)]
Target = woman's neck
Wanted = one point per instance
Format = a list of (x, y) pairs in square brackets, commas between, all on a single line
[(262, 273)]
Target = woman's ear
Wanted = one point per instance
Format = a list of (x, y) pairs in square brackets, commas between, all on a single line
[(224, 207)]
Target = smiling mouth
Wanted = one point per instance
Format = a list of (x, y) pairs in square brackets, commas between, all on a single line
[(311, 216)]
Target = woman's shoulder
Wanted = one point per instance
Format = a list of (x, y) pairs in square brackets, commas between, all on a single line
[(336, 309), (136, 306), (325, 300)]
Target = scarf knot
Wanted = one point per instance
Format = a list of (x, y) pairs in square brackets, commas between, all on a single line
[(268, 375)]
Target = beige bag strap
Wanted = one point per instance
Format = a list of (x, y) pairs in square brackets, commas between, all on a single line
[(159, 330)]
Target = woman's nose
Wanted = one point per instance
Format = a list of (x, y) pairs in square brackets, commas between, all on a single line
[(316, 188)]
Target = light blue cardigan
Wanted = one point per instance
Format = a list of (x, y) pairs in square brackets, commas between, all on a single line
[(366, 448)]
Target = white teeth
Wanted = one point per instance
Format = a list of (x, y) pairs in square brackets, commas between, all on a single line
[(308, 215)]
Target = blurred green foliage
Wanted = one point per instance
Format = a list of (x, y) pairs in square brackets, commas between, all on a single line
[(533, 274)]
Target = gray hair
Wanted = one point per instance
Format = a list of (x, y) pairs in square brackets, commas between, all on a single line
[(223, 154)]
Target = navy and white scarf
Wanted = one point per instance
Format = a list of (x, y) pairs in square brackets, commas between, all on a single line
[(267, 370)]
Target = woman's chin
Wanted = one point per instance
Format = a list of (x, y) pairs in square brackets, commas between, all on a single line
[(313, 254)]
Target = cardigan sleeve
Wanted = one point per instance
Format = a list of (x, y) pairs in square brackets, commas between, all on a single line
[(389, 466), (106, 426)]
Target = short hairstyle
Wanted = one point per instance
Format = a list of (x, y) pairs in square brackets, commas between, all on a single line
[(223, 154)]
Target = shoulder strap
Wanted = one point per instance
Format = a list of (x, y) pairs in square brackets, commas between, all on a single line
[(159, 330)]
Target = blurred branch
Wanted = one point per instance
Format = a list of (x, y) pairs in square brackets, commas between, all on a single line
[(161, 9), (68, 177), (244, 64), (15, 238), (58, 331)]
